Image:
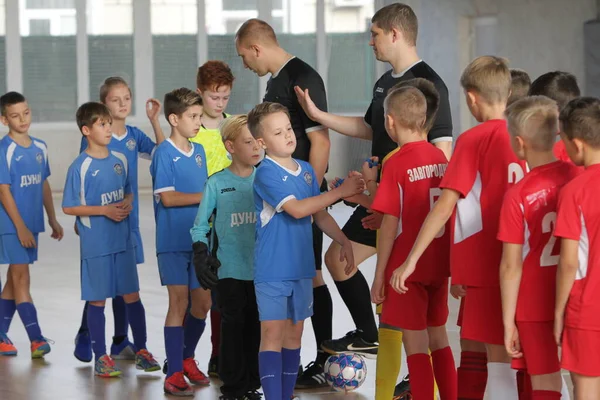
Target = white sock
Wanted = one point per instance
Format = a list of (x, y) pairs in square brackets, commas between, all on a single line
[(502, 382), (564, 390)]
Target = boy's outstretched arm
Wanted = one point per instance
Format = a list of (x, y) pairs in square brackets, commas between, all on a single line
[(8, 202), (327, 224), (511, 270), (311, 205), (153, 107), (434, 223), (179, 199)]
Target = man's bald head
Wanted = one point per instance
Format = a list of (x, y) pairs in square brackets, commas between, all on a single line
[(256, 31)]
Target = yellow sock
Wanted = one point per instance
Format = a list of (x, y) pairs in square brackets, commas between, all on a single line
[(435, 387), (388, 363)]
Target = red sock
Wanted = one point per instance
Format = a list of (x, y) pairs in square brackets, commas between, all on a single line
[(445, 373), (545, 395), (472, 375), (524, 385), (215, 327), (421, 386)]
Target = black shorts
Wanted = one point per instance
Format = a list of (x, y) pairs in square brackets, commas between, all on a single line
[(355, 231)]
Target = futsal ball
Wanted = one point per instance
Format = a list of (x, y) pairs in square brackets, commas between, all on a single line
[(345, 372)]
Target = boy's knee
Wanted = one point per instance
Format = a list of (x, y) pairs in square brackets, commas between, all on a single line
[(131, 297), (333, 263), (178, 304)]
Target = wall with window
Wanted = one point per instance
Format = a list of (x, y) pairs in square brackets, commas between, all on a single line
[(58, 52)]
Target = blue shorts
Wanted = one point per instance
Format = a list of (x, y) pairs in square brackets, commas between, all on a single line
[(109, 276), (176, 268), (12, 252), (284, 300), (139, 246)]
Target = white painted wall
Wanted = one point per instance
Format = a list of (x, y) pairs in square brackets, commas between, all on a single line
[(536, 35)]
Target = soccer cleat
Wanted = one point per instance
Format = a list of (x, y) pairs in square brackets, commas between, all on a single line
[(351, 343), (165, 369), (402, 391), (39, 348), (313, 377), (194, 375), (144, 360), (7, 348), (213, 367), (83, 347), (123, 351), (105, 367), (253, 395), (176, 385)]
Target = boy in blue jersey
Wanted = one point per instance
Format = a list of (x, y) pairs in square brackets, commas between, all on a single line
[(133, 143), (97, 191), (286, 195), (24, 192), (178, 172), (229, 197)]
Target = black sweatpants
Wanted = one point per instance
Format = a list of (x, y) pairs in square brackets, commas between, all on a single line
[(240, 337)]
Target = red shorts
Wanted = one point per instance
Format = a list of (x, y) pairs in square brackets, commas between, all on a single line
[(482, 315), (540, 352), (420, 307), (461, 311), (580, 350)]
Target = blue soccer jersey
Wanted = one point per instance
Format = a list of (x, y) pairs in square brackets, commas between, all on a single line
[(133, 144), (284, 244), (25, 169), (173, 170), (231, 196), (99, 182)]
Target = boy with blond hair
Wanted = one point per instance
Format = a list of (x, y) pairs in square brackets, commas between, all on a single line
[(530, 252), (286, 195), (576, 323), (410, 181), (229, 197), (481, 170)]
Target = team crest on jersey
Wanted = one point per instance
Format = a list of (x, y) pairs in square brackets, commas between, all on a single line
[(199, 160), (39, 158), (308, 178), (130, 144), (118, 169)]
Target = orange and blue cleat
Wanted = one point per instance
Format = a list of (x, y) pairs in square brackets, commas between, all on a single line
[(7, 348)]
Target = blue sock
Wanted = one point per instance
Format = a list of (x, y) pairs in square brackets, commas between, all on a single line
[(120, 315), (290, 359), (97, 327), (269, 368), (84, 325), (137, 319), (7, 310), (192, 331), (174, 348), (28, 315)]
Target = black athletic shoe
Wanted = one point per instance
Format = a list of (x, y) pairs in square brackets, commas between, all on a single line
[(213, 367), (253, 395), (313, 377), (351, 343), (165, 367), (402, 391)]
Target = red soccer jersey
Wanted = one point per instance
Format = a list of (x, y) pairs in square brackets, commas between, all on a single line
[(528, 217), (560, 152), (579, 219), (408, 190), (481, 170)]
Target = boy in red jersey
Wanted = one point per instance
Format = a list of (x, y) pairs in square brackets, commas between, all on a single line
[(480, 172), (576, 320), (530, 252), (410, 182), (561, 87)]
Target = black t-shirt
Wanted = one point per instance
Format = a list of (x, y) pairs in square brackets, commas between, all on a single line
[(280, 89), (442, 127)]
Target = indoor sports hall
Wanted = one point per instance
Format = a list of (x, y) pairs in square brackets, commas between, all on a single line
[(58, 53)]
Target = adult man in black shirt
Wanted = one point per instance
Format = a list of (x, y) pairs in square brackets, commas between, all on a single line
[(257, 44), (393, 38)]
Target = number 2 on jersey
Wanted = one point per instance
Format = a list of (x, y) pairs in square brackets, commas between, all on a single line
[(434, 195), (548, 259)]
